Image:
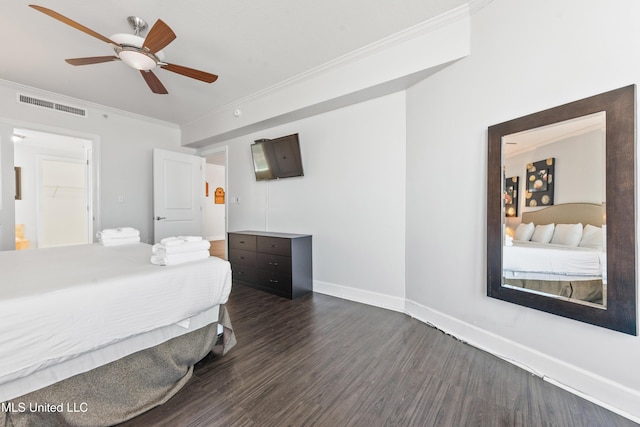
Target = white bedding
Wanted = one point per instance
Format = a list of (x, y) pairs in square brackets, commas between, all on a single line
[(545, 261), (60, 303)]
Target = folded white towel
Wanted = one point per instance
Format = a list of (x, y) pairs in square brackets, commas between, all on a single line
[(118, 232), (201, 245), (190, 238), (171, 241), (179, 240), (173, 259), (508, 240), (119, 241)]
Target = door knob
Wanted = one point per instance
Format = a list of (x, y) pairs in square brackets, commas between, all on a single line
[(158, 218)]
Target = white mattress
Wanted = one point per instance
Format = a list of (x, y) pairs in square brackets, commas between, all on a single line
[(59, 303), (542, 260)]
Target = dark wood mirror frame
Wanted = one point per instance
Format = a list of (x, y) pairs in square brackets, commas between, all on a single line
[(620, 312)]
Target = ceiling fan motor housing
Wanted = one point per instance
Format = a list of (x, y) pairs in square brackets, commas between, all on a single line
[(138, 24)]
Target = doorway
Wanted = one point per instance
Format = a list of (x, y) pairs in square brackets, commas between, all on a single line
[(215, 202), (55, 207)]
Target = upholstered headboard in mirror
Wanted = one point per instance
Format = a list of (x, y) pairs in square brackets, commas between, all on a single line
[(567, 213)]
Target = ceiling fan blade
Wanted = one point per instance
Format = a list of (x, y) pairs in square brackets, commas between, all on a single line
[(91, 60), (154, 83), (190, 72), (74, 24), (160, 35)]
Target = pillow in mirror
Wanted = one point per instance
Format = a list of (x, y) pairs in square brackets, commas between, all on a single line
[(543, 233), (524, 232), (567, 234), (591, 237)]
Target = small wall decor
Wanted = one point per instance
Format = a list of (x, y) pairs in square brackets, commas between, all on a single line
[(206, 189), (18, 172), (540, 182), (219, 196), (511, 197)]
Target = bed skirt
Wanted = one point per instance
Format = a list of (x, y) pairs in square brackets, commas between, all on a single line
[(123, 389), (586, 290)]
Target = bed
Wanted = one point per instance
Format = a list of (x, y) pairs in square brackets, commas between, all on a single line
[(559, 251), (95, 335)]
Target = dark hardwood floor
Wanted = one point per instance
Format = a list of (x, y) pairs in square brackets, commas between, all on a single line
[(324, 361)]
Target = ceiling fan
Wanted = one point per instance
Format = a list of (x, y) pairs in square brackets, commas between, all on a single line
[(143, 54)]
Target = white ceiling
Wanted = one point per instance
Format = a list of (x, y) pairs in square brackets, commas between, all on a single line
[(531, 139), (251, 45)]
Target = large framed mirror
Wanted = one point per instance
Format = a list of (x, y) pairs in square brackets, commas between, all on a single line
[(561, 211)]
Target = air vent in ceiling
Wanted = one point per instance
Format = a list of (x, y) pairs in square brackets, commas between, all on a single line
[(51, 105)]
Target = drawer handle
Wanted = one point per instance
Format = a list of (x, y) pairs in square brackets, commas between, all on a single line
[(273, 281), (274, 246), (242, 242), (274, 263), (241, 257)]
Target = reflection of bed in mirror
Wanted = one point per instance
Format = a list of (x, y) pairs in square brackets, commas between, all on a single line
[(559, 251)]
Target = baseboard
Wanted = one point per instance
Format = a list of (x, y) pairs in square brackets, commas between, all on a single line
[(599, 390), (359, 295), (210, 238)]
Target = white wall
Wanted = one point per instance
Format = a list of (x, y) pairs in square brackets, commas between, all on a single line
[(525, 56), (579, 175), (7, 189), (124, 143), (351, 197)]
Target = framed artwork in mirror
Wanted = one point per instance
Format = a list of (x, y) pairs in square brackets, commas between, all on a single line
[(511, 197), (540, 183), (595, 217)]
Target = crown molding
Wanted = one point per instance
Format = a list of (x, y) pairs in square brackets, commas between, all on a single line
[(418, 30), (476, 5)]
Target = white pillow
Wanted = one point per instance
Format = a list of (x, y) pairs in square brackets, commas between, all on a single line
[(567, 234), (591, 237), (524, 232), (542, 233)]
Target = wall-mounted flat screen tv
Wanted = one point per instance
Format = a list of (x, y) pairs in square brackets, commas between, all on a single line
[(277, 158)]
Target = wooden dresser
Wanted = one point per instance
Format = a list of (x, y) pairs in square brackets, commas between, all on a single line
[(279, 263)]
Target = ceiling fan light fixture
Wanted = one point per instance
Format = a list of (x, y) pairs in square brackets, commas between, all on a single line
[(138, 60), (131, 52)]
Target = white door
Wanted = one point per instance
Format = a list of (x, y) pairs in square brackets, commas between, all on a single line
[(178, 194), (63, 207)]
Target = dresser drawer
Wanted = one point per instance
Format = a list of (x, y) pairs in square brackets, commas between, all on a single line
[(242, 257), (274, 245), (274, 281), (242, 241), (243, 273), (274, 263)]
